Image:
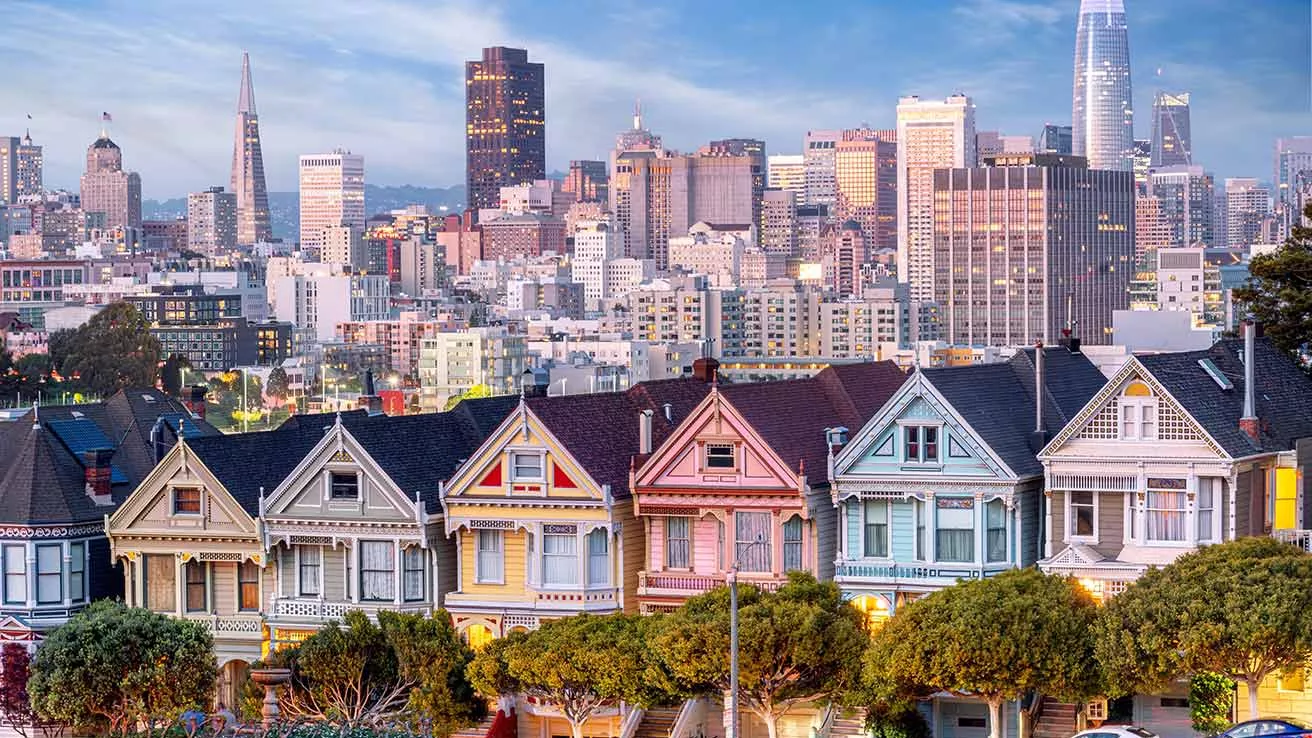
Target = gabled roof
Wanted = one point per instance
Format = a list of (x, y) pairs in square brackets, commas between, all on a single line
[(1283, 399), (997, 400), (42, 477)]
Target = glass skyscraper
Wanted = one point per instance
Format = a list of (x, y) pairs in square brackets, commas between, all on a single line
[(1103, 119), (505, 124)]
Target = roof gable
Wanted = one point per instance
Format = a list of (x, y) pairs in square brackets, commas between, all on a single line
[(149, 510)]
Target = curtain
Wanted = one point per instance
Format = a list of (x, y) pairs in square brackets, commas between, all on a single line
[(793, 544), (1206, 507), (49, 574), (1166, 515), (489, 564), (311, 556), (876, 538), (956, 535), (995, 514), (599, 557), (752, 541), (676, 543), (377, 570), (560, 561), (413, 560)]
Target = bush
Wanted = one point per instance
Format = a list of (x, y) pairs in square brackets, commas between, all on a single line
[(896, 722), (1211, 700)]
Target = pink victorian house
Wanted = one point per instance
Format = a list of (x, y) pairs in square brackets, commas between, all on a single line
[(744, 479)]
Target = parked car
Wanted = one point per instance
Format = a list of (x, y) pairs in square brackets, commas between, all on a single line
[(1277, 727), (1116, 731)]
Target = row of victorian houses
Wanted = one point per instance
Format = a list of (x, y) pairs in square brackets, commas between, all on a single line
[(511, 511)]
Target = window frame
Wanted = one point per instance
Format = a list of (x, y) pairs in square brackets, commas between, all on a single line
[(77, 556), (541, 465), (556, 556), (242, 604), (920, 516), (989, 529), (199, 501), (915, 436), (685, 539), (766, 542), (593, 557), (1093, 507), (731, 457), (1213, 486), (498, 537), (5, 550), (1148, 511), (867, 524), (797, 546), (390, 570), (195, 565), (57, 574), (409, 557), (334, 485), (940, 528), (302, 565)]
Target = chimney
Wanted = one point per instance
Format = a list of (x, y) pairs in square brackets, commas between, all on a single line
[(706, 369), (644, 431), (669, 413), (835, 438), (1038, 438), (1248, 423), (194, 400), (96, 463)]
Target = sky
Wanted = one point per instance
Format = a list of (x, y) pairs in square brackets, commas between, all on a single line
[(384, 78)]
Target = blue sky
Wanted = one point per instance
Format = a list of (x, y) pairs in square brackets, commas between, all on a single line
[(384, 78)]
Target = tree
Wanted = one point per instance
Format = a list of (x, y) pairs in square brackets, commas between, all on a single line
[(112, 668), (1241, 609), (579, 664), (278, 386), (431, 656), (800, 644), (16, 711), (997, 639), (475, 392), (111, 351), (1279, 290), (170, 375)]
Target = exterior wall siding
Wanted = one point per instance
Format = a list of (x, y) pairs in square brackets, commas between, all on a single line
[(824, 531), (1111, 524)]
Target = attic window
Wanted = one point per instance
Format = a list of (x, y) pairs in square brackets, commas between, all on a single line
[(1215, 373), (720, 456), (148, 398), (186, 501), (343, 486)]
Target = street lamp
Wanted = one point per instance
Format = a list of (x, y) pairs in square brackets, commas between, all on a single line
[(733, 636)]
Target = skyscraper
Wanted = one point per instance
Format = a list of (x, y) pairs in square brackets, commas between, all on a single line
[(332, 194), (865, 166), (1142, 160), (505, 124), (754, 150), (587, 180), (8, 170), (1171, 142), (818, 159), (110, 197), (931, 134), (1247, 205), (786, 172), (1186, 194), (1293, 169), (1102, 115), (1055, 139), (212, 221), (27, 176), (247, 181)]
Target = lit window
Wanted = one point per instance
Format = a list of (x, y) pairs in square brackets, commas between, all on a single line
[(1082, 514)]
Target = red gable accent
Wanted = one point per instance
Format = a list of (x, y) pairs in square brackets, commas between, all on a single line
[(493, 478), (560, 479)]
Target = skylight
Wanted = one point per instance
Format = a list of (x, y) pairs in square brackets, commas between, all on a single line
[(1215, 373)]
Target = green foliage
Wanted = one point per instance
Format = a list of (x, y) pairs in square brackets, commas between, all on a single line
[(475, 392), (1279, 290), (111, 668), (431, 656), (1242, 609), (1211, 702), (900, 720), (997, 638), (170, 375), (279, 386), (111, 351), (799, 644)]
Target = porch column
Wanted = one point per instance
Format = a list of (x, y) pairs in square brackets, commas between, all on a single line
[(1141, 521), (179, 582), (129, 591), (931, 528), (29, 550), (1047, 524), (139, 579), (842, 530), (397, 574), (1191, 507), (980, 522)]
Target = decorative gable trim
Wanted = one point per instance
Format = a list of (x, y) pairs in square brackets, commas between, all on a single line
[(337, 446), (179, 459)]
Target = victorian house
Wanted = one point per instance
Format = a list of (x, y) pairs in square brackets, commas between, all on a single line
[(62, 470), (1177, 451), (743, 483)]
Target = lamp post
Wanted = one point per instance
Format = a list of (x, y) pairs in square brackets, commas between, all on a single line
[(733, 637)]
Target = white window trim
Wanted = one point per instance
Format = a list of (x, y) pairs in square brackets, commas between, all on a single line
[(899, 443), (888, 527), (1070, 518), (259, 583), (1190, 521), (512, 477), (328, 486), (4, 571), (1218, 484), (423, 574), (1139, 402), (173, 501), (82, 596), (580, 561), (706, 457), (61, 571), (665, 543), (359, 568), (480, 577), (300, 588)]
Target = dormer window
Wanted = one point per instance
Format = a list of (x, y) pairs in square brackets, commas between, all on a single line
[(526, 467), (920, 444), (720, 456), (343, 486), (186, 501), (1138, 413)]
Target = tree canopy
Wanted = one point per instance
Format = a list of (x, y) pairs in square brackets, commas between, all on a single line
[(171, 373), (475, 392), (799, 644), (1242, 609), (111, 668), (997, 638), (278, 386), (111, 351), (1279, 290)]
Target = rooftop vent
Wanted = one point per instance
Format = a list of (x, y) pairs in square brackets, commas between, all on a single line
[(1216, 374)]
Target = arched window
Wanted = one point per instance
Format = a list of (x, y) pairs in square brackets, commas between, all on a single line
[(1138, 413), (478, 635), (875, 608)]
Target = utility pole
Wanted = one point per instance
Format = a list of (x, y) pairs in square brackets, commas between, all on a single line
[(733, 638)]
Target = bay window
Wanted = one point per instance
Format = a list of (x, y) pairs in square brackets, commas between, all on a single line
[(752, 541), (49, 573), (377, 571), (197, 586), (921, 513), (599, 558), (489, 563), (995, 537), (1082, 515), (1208, 488), (793, 544), (310, 569), (77, 567), (1166, 511), (955, 530), (412, 562), (876, 528), (676, 543), (560, 560)]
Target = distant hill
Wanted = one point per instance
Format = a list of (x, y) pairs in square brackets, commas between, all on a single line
[(284, 207)]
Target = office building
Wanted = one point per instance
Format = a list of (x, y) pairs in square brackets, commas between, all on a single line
[(865, 173), (401, 338), (1102, 114), (597, 243), (1151, 229), (110, 196), (505, 124), (738, 148), (247, 181), (1171, 143), (1188, 283), (1290, 179), (452, 363), (779, 222), (713, 250), (1247, 207), (316, 302), (931, 135), (787, 172), (212, 221), (422, 265), (1187, 202), (344, 244), (846, 259), (332, 194), (20, 168), (1012, 268), (1141, 162), (819, 162), (716, 186), (1055, 139), (989, 144), (511, 237), (587, 181)]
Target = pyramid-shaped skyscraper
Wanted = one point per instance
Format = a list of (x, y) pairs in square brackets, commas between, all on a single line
[(248, 166)]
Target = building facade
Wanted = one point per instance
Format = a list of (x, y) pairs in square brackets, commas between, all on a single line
[(331, 194), (505, 124), (212, 221), (1171, 143), (1102, 105), (109, 195), (247, 181)]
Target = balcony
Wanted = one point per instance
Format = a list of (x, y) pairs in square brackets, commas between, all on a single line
[(1300, 538), (323, 610), (231, 626), (683, 585), (940, 574)]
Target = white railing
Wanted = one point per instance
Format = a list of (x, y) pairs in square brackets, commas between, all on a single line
[(232, 625), (690, 718), (311, 608), (632, 719), (827, 722), (1300, 538)]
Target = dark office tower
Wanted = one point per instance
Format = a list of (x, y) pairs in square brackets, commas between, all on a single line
[(1102, 117), (1055, 140), (994, 224), (587, 181), (248, 166), (755, 150), (1171, 143), (505, 124)]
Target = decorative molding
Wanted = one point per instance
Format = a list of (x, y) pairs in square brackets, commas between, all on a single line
[(301, 540), (53, 531), (669, 510), (341, 457), (560, 529), (491, 525), (221, 556)]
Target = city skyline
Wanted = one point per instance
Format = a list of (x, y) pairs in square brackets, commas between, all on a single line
[(332, 75)]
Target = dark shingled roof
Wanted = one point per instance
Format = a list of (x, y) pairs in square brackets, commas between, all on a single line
[(1283, 399), (997, 400), (42, 482)]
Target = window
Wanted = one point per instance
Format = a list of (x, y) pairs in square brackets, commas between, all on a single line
[(248, 586), (599, 557), (955, 537), (15, 557), (49, 573), (919, 509), (1138, 413), (159, 575), (311, 560), (343, 486), (560, 560), (1207, 487), (77, 567), (876, 528), (920, 444), (1290, 679), (196, 586), (752, 541), (489, 564), (793, 544), (412, 562), (995, 537), (526, 466), (720, 456), (186, 501), (676, 543), (377, 571), (1082, 514), (1166, 510)]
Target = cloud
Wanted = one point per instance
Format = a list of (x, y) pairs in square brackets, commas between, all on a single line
[(989, 21)]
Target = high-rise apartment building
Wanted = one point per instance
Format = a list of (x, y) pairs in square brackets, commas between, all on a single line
[(332, 194), (818, 160), (1292, 173), (317, 302), (1102, 113), (1187, 201), (505, 124), (451, 363), (1247, 206), (110, 196), (344, 244), (247, 181), (1171, 142), (1055, 139), (931, 135), (587, 181), (597, 243), (212, 221), (847, 258), (1030, 246), (1151, 231), (30, 165), (865, 172), (779, 232), (754, 151), (787, 172), (20, 168)]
